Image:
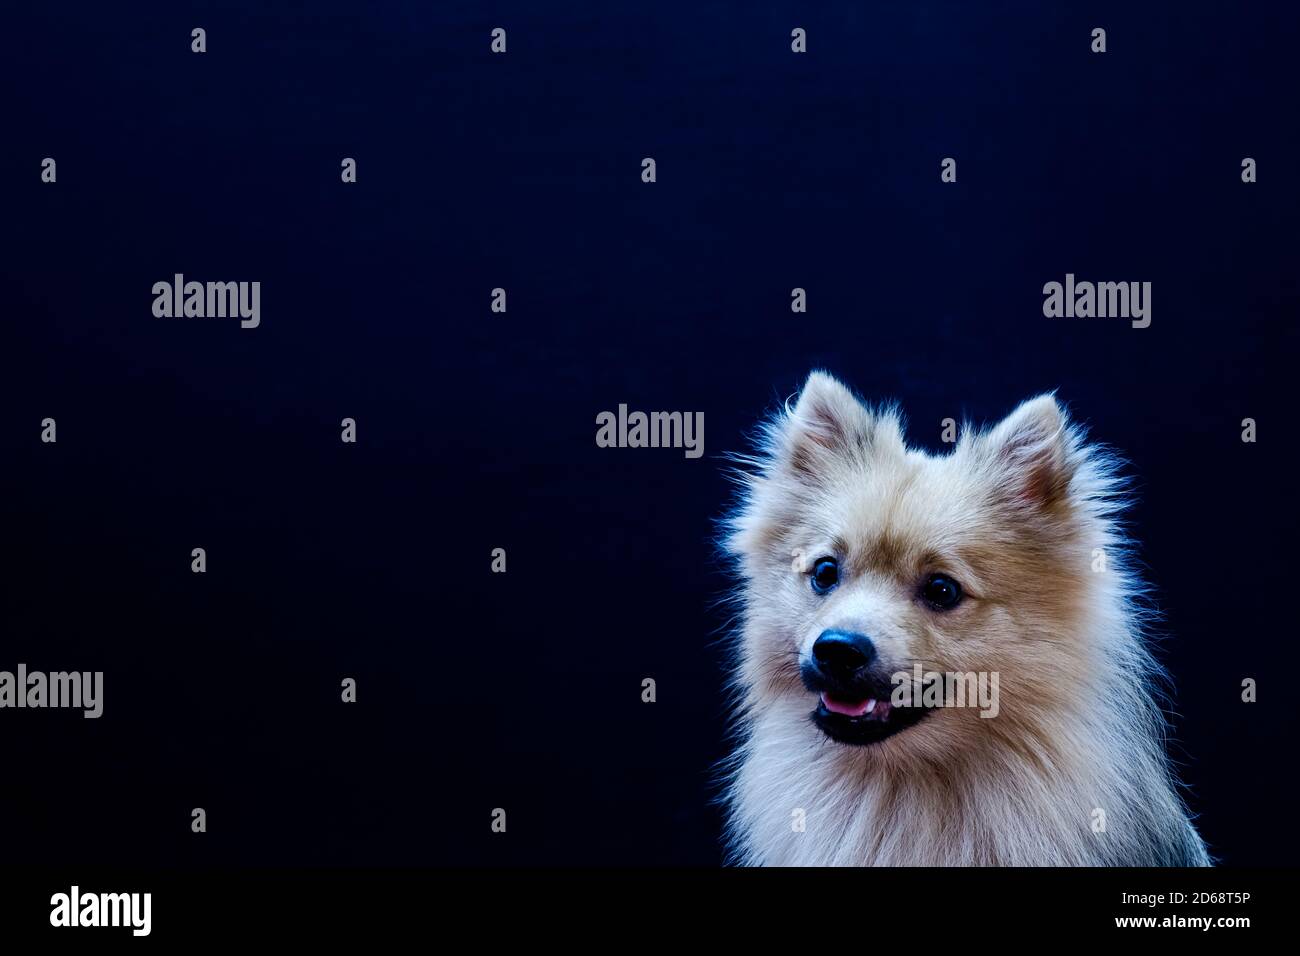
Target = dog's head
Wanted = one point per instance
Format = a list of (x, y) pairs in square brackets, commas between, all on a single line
[(873, 571)]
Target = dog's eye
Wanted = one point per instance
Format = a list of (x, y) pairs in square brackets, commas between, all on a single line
[(941, 592), (825, 575)]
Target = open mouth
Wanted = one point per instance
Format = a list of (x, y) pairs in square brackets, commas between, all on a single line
[(862, 721)]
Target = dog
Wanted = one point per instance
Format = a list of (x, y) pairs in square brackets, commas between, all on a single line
[(869, 573)]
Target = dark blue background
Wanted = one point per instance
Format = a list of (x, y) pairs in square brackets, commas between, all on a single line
[(477, 430)]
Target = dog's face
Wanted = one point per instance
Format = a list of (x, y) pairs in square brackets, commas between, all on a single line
[(864, 559)]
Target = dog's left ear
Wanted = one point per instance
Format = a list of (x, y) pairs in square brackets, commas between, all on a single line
[(1030, 452)]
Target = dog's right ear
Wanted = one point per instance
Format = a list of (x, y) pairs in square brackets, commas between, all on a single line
[(828, 420), (802, 445)]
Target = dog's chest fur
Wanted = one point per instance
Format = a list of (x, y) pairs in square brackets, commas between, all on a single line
[(798, 799)]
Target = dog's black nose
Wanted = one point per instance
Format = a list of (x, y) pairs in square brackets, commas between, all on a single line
[(841, 654)]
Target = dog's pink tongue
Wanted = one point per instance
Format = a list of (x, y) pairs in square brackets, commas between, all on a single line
[(849, 708)]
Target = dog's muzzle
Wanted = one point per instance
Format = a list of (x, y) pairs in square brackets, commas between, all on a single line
[(854, 698)]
